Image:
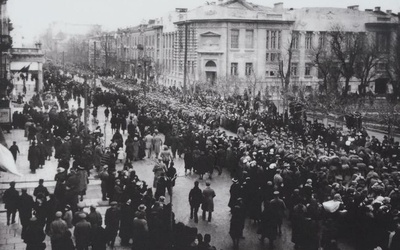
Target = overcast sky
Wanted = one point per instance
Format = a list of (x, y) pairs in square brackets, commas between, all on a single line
[(32, 17)]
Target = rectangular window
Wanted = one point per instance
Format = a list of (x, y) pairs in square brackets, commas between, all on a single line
[(234, 69), (275, 57), (295, 40), (307, 71), (383, 41), (249, 39), (267, 57), (234, 39), (294, 69), (322, 39), (273, 39), (249, 69), (309, 37), (268, 39)]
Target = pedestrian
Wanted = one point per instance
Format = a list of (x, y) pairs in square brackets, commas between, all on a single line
[(195, 200), (112, 220), (83, 181), (94, 217), (11, 199), (149, 145), (208, 201), (105, 178), (58, 230), (82, 233), (162, 185), (166, 155), (34, 157), (34, 236), (127, 216), (158, 168), (278, 208), (236, 226), (25, 207), (156, 143), (140, 233), (41, 192), (268, 228), (14, 150)]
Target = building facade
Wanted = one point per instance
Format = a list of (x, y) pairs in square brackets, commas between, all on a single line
[(240, 41)]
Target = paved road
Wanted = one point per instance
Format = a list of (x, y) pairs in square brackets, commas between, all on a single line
[(218, 228)]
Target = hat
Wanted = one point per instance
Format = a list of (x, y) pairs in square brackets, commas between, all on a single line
[(113, 203), (234, 180), (58, 214), (208, 183), (142, 207), (81, 205), (276, 192), (60, 170), (33, 218), (82, 215), (93, 206)]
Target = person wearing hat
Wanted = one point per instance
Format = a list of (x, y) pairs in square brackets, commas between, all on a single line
[(195, 200), (112, 220), (235, 191), (81, 206), (57, 232), (278, 208), (82, 233), (34, 236), (140, 232), (25, 207), (34, 154), (11, 198), (94, 217), (149, 144), (208, 201)]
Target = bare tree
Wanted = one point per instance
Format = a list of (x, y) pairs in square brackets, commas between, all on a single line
[(366, 63), (347, 47), (393, 65)]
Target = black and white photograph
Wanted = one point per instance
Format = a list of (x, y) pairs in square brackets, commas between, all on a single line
[(199, 125)]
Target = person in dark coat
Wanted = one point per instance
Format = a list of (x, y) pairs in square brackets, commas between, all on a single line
[(34, 157), (99, 238), (162, 186), (25, 206), (208, 201), (112, 220), (14, 150), (11, 199), (82, 233), (268, 227), (41, 192), (127, 216), (195, 200), (34, 235), (236, 226), (140, 232), (235, 192), (188, 159), (395, 243)]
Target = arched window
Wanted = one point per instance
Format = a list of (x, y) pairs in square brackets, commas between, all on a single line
[(211, 64)]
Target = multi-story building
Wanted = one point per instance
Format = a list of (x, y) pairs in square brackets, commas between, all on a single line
[(5, 46), (238, 39)]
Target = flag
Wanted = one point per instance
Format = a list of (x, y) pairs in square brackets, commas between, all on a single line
[(24, 69), (7, 162)]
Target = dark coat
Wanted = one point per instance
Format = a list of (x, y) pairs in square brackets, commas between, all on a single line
[(34, 236), (82, 234), (11, 198), (195, 197)]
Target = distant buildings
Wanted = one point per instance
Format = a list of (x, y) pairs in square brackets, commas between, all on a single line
[(239, 40)]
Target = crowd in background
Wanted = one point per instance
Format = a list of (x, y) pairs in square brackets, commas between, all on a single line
[(332, 184)]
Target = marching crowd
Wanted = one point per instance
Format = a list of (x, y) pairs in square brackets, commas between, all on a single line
[(329, 183)]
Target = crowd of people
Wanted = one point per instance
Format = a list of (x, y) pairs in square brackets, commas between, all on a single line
[(331, 184)]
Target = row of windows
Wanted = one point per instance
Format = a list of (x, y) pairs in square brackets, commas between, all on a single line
[(249, 69), (235, 66)]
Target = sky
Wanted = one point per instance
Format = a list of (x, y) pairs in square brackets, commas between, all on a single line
[(31, 17)]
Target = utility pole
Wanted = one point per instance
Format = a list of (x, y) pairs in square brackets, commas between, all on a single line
[(185, 59)]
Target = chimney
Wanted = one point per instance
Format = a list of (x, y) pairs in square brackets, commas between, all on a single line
[(389, 12), (368, 10), (278, 6), (378, 8), (353, 7)]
